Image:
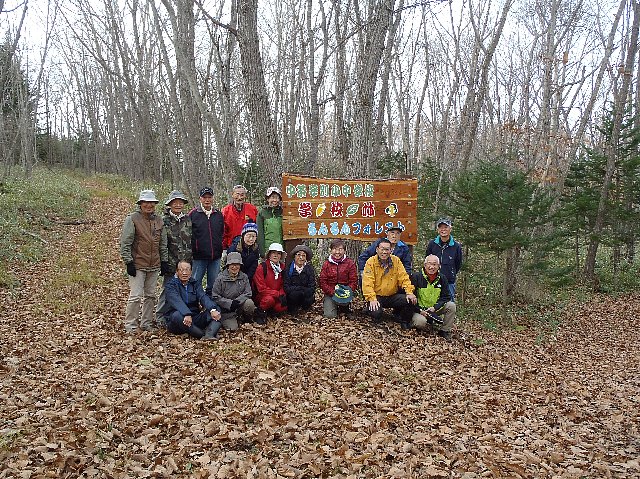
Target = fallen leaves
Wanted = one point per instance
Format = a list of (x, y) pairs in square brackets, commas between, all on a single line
[(305, 399)]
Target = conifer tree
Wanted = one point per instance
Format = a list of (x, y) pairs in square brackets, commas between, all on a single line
[(499, 210)]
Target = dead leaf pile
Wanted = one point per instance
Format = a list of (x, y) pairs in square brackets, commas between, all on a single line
[(301, 397)]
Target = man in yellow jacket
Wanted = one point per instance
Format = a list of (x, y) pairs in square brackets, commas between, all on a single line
[(383, 276)]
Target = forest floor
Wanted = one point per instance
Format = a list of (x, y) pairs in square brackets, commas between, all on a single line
[(301, 397)]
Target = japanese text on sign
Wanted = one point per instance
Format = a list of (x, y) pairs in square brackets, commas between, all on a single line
[(356, 209)]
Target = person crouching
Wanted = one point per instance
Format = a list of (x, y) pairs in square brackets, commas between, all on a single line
[(185, 296), (232, 291), (268, 284), (300, 280)]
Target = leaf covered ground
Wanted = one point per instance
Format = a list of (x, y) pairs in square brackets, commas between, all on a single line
[(301, 397)]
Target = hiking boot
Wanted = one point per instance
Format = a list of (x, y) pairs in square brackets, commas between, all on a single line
[(211, 333), (260, 316), (446, 335)]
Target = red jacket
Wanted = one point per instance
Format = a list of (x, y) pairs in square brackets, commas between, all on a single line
[(267, 284), (234, 220), (343, 273)]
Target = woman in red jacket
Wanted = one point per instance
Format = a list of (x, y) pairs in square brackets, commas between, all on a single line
[(337, 270), (268, 284)]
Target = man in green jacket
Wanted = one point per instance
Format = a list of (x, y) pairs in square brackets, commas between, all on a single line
[(434, 301)]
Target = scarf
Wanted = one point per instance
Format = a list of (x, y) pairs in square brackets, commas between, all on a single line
[(386, 266), (177, 217), (277, 269), (333, 260), (207, 212)]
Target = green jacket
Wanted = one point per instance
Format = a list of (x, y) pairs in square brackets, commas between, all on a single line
[(178, 238), (429, 293), (269, 226)]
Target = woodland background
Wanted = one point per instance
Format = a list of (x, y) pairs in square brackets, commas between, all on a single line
[(518, 117)]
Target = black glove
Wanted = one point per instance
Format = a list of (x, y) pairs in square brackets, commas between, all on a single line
[(283, 299), (235, 304), (165, 268), (131, 269)]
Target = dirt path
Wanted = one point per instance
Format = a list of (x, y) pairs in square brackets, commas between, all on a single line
[(311, 398)]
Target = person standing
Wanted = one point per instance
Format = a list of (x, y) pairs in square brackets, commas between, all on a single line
[(190, 310), (448, 251), (143, 248), (270, 220), (398, 248), (178, 226), (337, 271), (382, 278), (206, 238), (236, 214)]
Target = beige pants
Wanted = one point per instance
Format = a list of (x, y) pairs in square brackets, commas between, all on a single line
[(142, 295), (447, 313)]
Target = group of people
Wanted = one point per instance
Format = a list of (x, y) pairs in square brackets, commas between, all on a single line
[(239, 249)]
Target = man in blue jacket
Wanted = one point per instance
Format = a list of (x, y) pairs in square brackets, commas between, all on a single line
[(184, 297), (398, 248), (448, 251)]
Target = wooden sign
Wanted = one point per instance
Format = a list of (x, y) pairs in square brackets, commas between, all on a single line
[(354, 209)]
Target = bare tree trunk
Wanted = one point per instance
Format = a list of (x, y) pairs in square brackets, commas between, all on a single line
[(369, 59), (611, 148), (476, 95), (263, 132)]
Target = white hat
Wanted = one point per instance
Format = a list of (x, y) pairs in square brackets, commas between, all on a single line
[(273, 189), (276, 247)]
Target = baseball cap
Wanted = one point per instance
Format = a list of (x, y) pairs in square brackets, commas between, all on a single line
[(207, 190)]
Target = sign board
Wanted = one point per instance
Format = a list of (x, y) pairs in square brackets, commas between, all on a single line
[(353, 209)]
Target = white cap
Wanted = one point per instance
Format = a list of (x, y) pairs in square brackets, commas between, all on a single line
[(273, 189), (276, 247)]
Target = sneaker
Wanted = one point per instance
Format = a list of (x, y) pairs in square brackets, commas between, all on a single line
[(446, 335)]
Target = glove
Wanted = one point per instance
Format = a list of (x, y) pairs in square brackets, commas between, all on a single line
[(283, 299), (165, 268), (131, 269), (235, 304)]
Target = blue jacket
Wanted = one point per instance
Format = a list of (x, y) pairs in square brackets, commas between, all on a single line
[(450, 254), (187, 299), (206, 234), (401, 250)]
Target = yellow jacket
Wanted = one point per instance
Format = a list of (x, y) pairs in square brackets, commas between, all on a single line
[(375, 284)]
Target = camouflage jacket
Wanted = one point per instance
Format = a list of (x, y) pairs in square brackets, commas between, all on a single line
[(178, 238)]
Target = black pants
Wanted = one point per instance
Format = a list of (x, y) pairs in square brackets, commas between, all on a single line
[(399, 304), (298, 299)]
